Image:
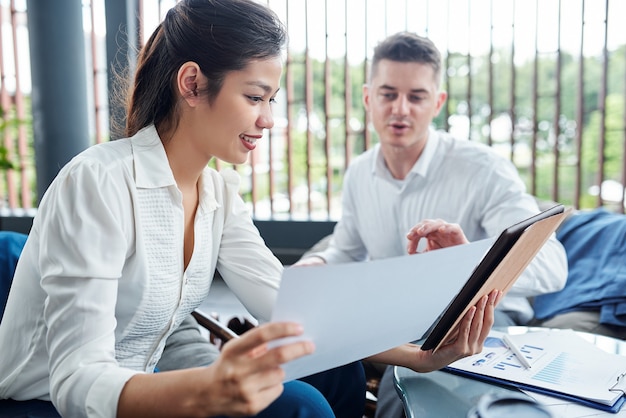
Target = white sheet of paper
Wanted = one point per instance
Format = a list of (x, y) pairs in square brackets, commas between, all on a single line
[(354, 310)]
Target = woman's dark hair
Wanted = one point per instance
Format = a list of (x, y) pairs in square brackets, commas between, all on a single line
[(407, 47), (219, 35)]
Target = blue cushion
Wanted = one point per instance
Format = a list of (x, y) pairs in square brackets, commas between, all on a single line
[(11, 244), (595, 243)]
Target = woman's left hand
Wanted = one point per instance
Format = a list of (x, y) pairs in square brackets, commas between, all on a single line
[(437, 233), (468, 340)]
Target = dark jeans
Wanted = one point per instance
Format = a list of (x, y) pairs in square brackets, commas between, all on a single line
[(27, 409), (338, 392)]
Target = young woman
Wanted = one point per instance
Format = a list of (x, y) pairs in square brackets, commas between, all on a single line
[(128, 237)]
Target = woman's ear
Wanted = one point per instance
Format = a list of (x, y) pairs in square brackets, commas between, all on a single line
[(187, 82)]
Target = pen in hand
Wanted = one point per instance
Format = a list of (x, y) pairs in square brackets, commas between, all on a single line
[(522, 359)]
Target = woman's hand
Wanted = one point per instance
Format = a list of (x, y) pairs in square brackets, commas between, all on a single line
[(437, 233), (468, 340), (243, 381), (247, 377)]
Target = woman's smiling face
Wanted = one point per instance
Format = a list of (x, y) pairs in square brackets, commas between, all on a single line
[(229, 127)]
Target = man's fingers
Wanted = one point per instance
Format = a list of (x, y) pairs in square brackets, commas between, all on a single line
[(437, 233), (310, 261), (425, 228)]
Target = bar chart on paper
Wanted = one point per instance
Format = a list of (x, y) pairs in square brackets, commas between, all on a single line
[(561, 364), (558, 371), (530, 352)]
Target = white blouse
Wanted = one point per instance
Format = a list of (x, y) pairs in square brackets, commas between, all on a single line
[(100, 284)]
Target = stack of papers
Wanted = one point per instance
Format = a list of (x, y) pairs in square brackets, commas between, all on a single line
[(562, 364)]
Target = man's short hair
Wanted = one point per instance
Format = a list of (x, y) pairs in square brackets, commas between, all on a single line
[(408, 47)]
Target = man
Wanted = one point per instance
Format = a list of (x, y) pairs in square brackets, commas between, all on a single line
[(416, 173)]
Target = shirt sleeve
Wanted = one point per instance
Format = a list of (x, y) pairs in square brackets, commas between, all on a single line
[(507, 203), (246, 264), (346, 244), (82, 252)]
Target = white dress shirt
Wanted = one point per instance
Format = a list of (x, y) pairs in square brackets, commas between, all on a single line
[(458, 181), (100, 284)]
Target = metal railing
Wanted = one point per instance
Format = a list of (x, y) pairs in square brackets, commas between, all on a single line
[(542, 81)]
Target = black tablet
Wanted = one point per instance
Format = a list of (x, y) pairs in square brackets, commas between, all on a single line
[(493, 273)]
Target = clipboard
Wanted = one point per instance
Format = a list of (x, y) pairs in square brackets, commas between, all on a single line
[(493, 380), (564, 367), (505, 261)]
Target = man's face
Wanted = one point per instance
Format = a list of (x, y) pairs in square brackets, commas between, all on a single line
[(402, 99)]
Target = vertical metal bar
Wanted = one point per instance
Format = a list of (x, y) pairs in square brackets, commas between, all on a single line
[(254, 183), (94, 64), (122, 44), (270, 168), (254, 193), (142, 26), (271, 178), (512, 114), (327, 101), (446, 109), (469, 71), (535, 106), (622, 207), (20, 113), (308, 97), (367, 136), (271, 175), (6, 103), (491, 76), (580, 111), (557, 110), (602, 107), (347, 93), (347, 100), (290, 102)]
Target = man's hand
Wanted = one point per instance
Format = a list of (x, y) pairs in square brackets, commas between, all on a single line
[(437, 233), (309, 261)]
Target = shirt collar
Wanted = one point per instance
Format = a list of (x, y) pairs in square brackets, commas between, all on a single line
[(420, 167), (152, 168), (208, 202)]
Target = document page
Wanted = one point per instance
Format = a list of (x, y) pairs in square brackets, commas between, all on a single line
[(560, 361), (354, 310)]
